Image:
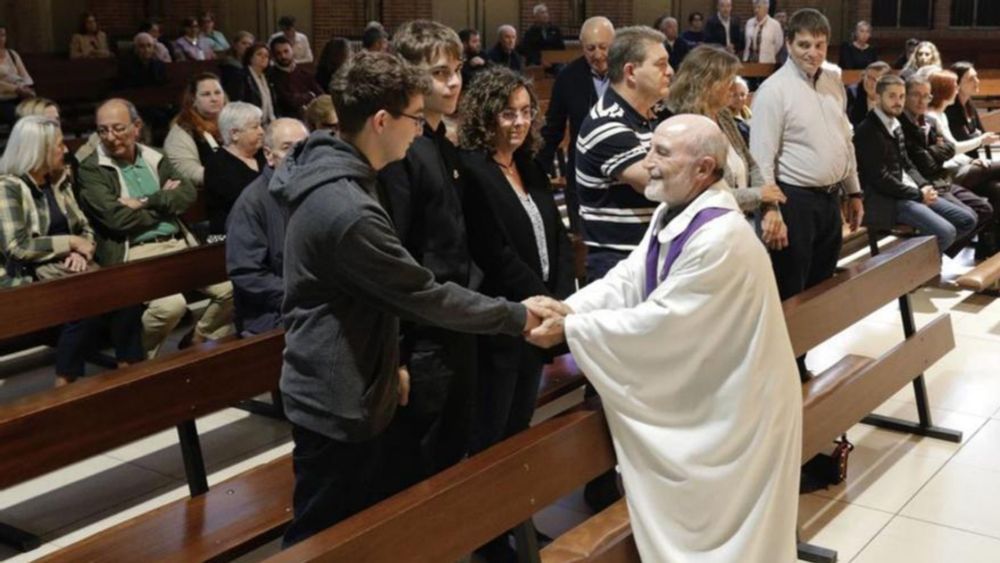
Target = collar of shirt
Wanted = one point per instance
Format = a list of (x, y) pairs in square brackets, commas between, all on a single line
[(918, 120), (890, 123), (631, 114), (802, 74)]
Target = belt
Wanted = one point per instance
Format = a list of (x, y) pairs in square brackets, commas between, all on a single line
[(161, 238), (827, 190)]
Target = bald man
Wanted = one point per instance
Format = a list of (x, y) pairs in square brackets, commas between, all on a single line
[(255, 238), (577, 88), (686, 343)]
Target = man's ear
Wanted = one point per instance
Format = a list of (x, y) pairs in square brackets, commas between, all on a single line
[(379, 120)]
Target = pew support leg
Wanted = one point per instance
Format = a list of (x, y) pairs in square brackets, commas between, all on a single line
[(19, 539), (925, 426), (194, 463), (526, 541), (816, 554), (275, 409)]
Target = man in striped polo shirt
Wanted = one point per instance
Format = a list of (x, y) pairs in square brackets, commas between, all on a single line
[(614, 138)]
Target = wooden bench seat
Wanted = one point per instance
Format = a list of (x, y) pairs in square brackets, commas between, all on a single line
[(983, 277)]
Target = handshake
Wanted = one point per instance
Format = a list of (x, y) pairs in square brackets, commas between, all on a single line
[(544, 326)]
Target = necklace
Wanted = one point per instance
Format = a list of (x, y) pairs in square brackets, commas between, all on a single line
[(507, 168)]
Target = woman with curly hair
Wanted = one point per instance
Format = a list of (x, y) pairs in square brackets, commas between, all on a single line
[(926, 54), (516, 237), (703, 85), (194, 136)]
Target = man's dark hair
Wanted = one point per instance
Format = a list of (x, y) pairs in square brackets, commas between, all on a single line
[(278, 41), (421, 41), (372, 82), (888, 80), (285, 22), (807, 20), (251, 51), (630, 46), (147, 25), (694, 15), (371, 36), (467, 34)]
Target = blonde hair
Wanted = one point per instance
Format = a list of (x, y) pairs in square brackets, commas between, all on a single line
[(911, 64), (31, 141), (703, 68), (35, 106)]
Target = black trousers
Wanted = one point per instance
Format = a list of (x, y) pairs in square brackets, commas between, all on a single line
[(333, 481), (985, 182), (433, 431), (79, 339), (814, 238), (509, 372)]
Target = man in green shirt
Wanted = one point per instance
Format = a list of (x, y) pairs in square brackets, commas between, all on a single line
[(135, 198)]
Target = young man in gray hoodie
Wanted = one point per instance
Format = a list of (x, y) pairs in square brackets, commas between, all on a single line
[(348, 280)]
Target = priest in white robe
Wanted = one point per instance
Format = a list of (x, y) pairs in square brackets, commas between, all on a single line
[(686, 343)]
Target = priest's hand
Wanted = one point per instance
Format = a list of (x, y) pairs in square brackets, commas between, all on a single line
[(532, 319), (551, 333)]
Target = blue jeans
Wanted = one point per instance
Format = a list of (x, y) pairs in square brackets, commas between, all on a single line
[(946, 220)]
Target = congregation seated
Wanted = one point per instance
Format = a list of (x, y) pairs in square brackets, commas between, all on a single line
[(301, 51), (216, 38), (89, 42), (194, 135), (140, 68), (236, 164), (931, 154), (294, 87), (15, 82), (543, 35), (336, 52), (255, 238), (135, 197), (152, 27), (861, 96), (231, 67), (894, 190), (504, 52), (45, 235), (255, 85), (320, 115), (858, 53), (926, 54), (192, 46)]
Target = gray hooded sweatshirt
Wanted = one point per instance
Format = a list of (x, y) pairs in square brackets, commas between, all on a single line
[(348, 280)]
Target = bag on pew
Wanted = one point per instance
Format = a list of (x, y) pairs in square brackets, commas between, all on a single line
[(825, 470)]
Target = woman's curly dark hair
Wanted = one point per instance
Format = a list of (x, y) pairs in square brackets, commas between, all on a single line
[(483, 101)]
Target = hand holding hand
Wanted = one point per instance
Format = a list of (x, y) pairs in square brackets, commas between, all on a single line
[(82, 246), (771, 193), (929, 193), (75, 262), (546, 307), (551, 333)]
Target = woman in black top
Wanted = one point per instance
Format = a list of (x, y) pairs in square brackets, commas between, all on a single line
[(257, 88), (858, 54), (238, 163), (516, 236)]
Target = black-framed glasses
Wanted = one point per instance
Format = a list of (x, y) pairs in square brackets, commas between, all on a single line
[(419, 119)]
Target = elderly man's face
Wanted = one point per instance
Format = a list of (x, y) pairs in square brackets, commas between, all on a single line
[(676, 172), (670, 29), (145, 48), (283, 137), (918, 99), (508, 39), (117, 132), (760, 10), (654, 74), (595, 43), (542, 15), (725, 8)]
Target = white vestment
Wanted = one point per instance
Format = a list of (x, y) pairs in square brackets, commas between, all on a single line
[(701, 393)]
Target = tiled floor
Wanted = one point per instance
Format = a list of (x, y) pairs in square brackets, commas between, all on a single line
[(906, 499)]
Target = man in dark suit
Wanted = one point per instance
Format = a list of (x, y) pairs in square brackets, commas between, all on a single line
[(725, 29), (894, 190), (677, 47), (577, 88), (861, 97), (541, 36), (503, 53)]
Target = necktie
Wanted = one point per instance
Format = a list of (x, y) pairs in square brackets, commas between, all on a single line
[(755, 45)]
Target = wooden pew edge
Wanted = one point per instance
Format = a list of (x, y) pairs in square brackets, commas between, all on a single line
[(982, 277)]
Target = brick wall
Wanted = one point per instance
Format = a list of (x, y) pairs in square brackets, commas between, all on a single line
[(122, 19), (395, 12), (336, 18)]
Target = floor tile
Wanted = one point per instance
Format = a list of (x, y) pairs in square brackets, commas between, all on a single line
[(920, 542), (835, 525), (59, 499), (983, 450), (961, 496), (967, 424)]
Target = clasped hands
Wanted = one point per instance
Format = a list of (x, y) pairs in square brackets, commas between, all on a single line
[(545, 325)]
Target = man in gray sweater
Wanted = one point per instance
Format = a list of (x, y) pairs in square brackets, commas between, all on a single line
[(348, 280)]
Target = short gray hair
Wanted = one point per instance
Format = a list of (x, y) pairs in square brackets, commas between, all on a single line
[(133, 113), (28, 147), (538, 8), (506, 27), (738, 80), (143, 35), (273, 127), (237, 116), (759, 2), (630, 46)]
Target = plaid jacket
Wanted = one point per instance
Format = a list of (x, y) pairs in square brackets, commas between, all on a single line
[(24, 224)]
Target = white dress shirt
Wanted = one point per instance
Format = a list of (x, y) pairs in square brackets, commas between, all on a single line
[(801, 135)]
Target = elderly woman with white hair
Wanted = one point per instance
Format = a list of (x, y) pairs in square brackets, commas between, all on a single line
[(239, 162), (45, 235)]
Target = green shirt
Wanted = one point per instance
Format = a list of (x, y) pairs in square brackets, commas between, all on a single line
[(141, 182)]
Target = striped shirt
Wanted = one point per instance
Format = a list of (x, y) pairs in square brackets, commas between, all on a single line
[(612, 137)]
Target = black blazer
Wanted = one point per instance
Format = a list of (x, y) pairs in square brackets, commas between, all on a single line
[(715, 32), (880, 168), (677, 53), (573, 95), (928, 152), (250, 93), (500, 234), (857, 103)]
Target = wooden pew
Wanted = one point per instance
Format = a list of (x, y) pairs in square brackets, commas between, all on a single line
[(839, 397), (566, 56), (984, 277)]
